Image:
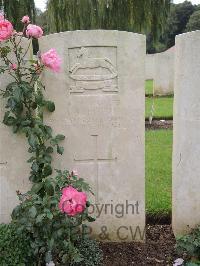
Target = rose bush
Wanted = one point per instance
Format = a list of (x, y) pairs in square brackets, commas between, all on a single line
[(54, 236), (53, 212)]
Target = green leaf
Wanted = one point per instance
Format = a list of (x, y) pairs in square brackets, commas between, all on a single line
[(49, 149), (88, 204), (49, 215), (40, 217), (91, 219), (33, 212), (37, 187), (38, 131), (51, 243), (31, 150), (47, 170), (47, 158), (60, 232), (16, 211), (35, 177), (11, 86), (35, 166), (26, 130), (57, 139), (48, 130), (53, 142), (34, 105), (2, 70), (26, 123), (11, 103), (38, 99), (32, 140), (49, 187), (60, 149), (65, 258), (77, 258), (60, 137), (17, 94), (9, 121), (50, 106)]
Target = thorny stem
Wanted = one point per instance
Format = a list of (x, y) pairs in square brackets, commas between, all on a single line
[(18, 59), (21, 36), (26, 50), (4, 59)]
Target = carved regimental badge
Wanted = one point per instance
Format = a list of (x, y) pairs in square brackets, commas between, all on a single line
[(93, 70)]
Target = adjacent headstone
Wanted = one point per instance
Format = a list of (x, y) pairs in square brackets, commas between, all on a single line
[(186, 150), (160, 68), (99, 97), (14, 170), (164, 73), (150, 66)]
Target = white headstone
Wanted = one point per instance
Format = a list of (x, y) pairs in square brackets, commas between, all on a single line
[(164, 73), (186, 150), (160, 68), (99, 98), (150, 66), (14, 170)]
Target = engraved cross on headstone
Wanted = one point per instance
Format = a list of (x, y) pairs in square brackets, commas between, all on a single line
[(96, 159), (3, 163)]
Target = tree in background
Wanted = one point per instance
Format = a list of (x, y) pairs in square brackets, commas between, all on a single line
[(194, 21), (41, 19), (151, 17), (14, 10), (129, 15), (177, 21), (178, 18)]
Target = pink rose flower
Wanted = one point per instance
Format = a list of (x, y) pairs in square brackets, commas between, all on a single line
[(34, 31), (51, 60), (25, 20), (6, 29), (72, 201), (13, 66)]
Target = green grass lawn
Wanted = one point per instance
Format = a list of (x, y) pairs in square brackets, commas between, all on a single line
[(158, 171), (162, 107), (149, 87)]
